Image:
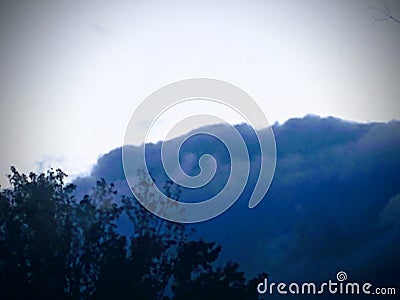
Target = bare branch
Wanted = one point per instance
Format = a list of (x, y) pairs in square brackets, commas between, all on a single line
[(384, 14)]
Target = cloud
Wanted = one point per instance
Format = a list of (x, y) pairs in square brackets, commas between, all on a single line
[(102, 30), (332, 204)]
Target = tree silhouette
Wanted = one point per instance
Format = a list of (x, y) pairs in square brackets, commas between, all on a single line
[(53, 246)]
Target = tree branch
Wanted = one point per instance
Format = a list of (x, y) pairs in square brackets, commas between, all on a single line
[(385, 14)]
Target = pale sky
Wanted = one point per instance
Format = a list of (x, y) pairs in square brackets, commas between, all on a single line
[(73, 72)]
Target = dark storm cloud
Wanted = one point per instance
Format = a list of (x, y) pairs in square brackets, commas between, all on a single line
[(331, 205)]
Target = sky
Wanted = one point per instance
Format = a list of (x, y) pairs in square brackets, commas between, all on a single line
[(73, 72)]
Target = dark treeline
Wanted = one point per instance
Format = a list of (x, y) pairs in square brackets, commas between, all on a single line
[(54, 246)]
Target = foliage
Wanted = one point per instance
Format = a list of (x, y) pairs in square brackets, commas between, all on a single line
[(53, 246)]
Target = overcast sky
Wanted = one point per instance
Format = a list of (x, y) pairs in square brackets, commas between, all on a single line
[(73, 72)]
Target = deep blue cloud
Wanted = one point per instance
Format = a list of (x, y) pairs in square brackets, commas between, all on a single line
[(332, 205)]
